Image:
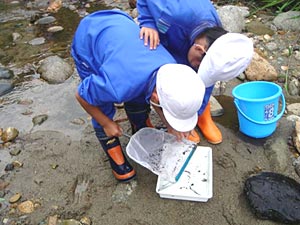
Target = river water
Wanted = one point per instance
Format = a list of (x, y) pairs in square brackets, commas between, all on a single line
[(17, 29), (16, 20)]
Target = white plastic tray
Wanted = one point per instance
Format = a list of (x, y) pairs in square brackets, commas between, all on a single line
[(195, 183)]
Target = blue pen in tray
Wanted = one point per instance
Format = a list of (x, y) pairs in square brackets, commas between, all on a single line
[(194, 147)]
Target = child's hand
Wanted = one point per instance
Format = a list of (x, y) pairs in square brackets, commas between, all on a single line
[(112, 129), (150, 36), (179, 135)]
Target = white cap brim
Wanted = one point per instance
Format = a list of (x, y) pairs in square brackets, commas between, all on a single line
[(227, 58), (181, 125)]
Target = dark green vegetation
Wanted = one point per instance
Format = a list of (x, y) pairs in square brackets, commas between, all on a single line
[(278, 6), (274, 6)]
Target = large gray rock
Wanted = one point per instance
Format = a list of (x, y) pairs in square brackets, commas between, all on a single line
[(288, 21), (233, 17), (55, 70)]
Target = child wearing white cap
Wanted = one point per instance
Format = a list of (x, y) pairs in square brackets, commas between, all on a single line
[(115, 67), (187, 29)]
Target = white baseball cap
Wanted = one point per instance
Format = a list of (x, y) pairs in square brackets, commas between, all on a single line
[(180, 91), (227, 58)]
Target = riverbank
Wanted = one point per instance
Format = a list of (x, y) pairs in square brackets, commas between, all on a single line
[(64, 177)]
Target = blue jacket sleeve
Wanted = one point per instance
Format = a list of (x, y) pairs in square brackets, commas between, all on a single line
[(145, 17), (97, 90)]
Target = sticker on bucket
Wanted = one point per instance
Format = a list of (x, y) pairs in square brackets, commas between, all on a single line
[(269, 112)]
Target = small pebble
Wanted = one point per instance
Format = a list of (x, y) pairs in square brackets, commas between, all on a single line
[(9, 167), (16, 197)]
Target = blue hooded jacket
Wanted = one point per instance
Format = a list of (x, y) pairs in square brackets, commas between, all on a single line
[(178, 22), (112, 61)]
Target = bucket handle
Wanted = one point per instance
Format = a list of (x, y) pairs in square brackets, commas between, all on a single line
[(263, 122)]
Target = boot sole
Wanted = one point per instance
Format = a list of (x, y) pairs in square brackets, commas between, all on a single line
[(215, 142), (131, 175)]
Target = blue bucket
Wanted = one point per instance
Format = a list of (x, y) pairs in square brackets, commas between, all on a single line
[(257, 106)]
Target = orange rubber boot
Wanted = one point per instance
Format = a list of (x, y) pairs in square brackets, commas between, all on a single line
[(121, 168), (194, 136), (208, 128)]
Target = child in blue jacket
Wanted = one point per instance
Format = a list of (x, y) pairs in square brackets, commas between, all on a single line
[(115, 67), (186, 28)]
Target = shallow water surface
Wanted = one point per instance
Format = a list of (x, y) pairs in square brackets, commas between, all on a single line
[(229, 119), (20, 52)]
